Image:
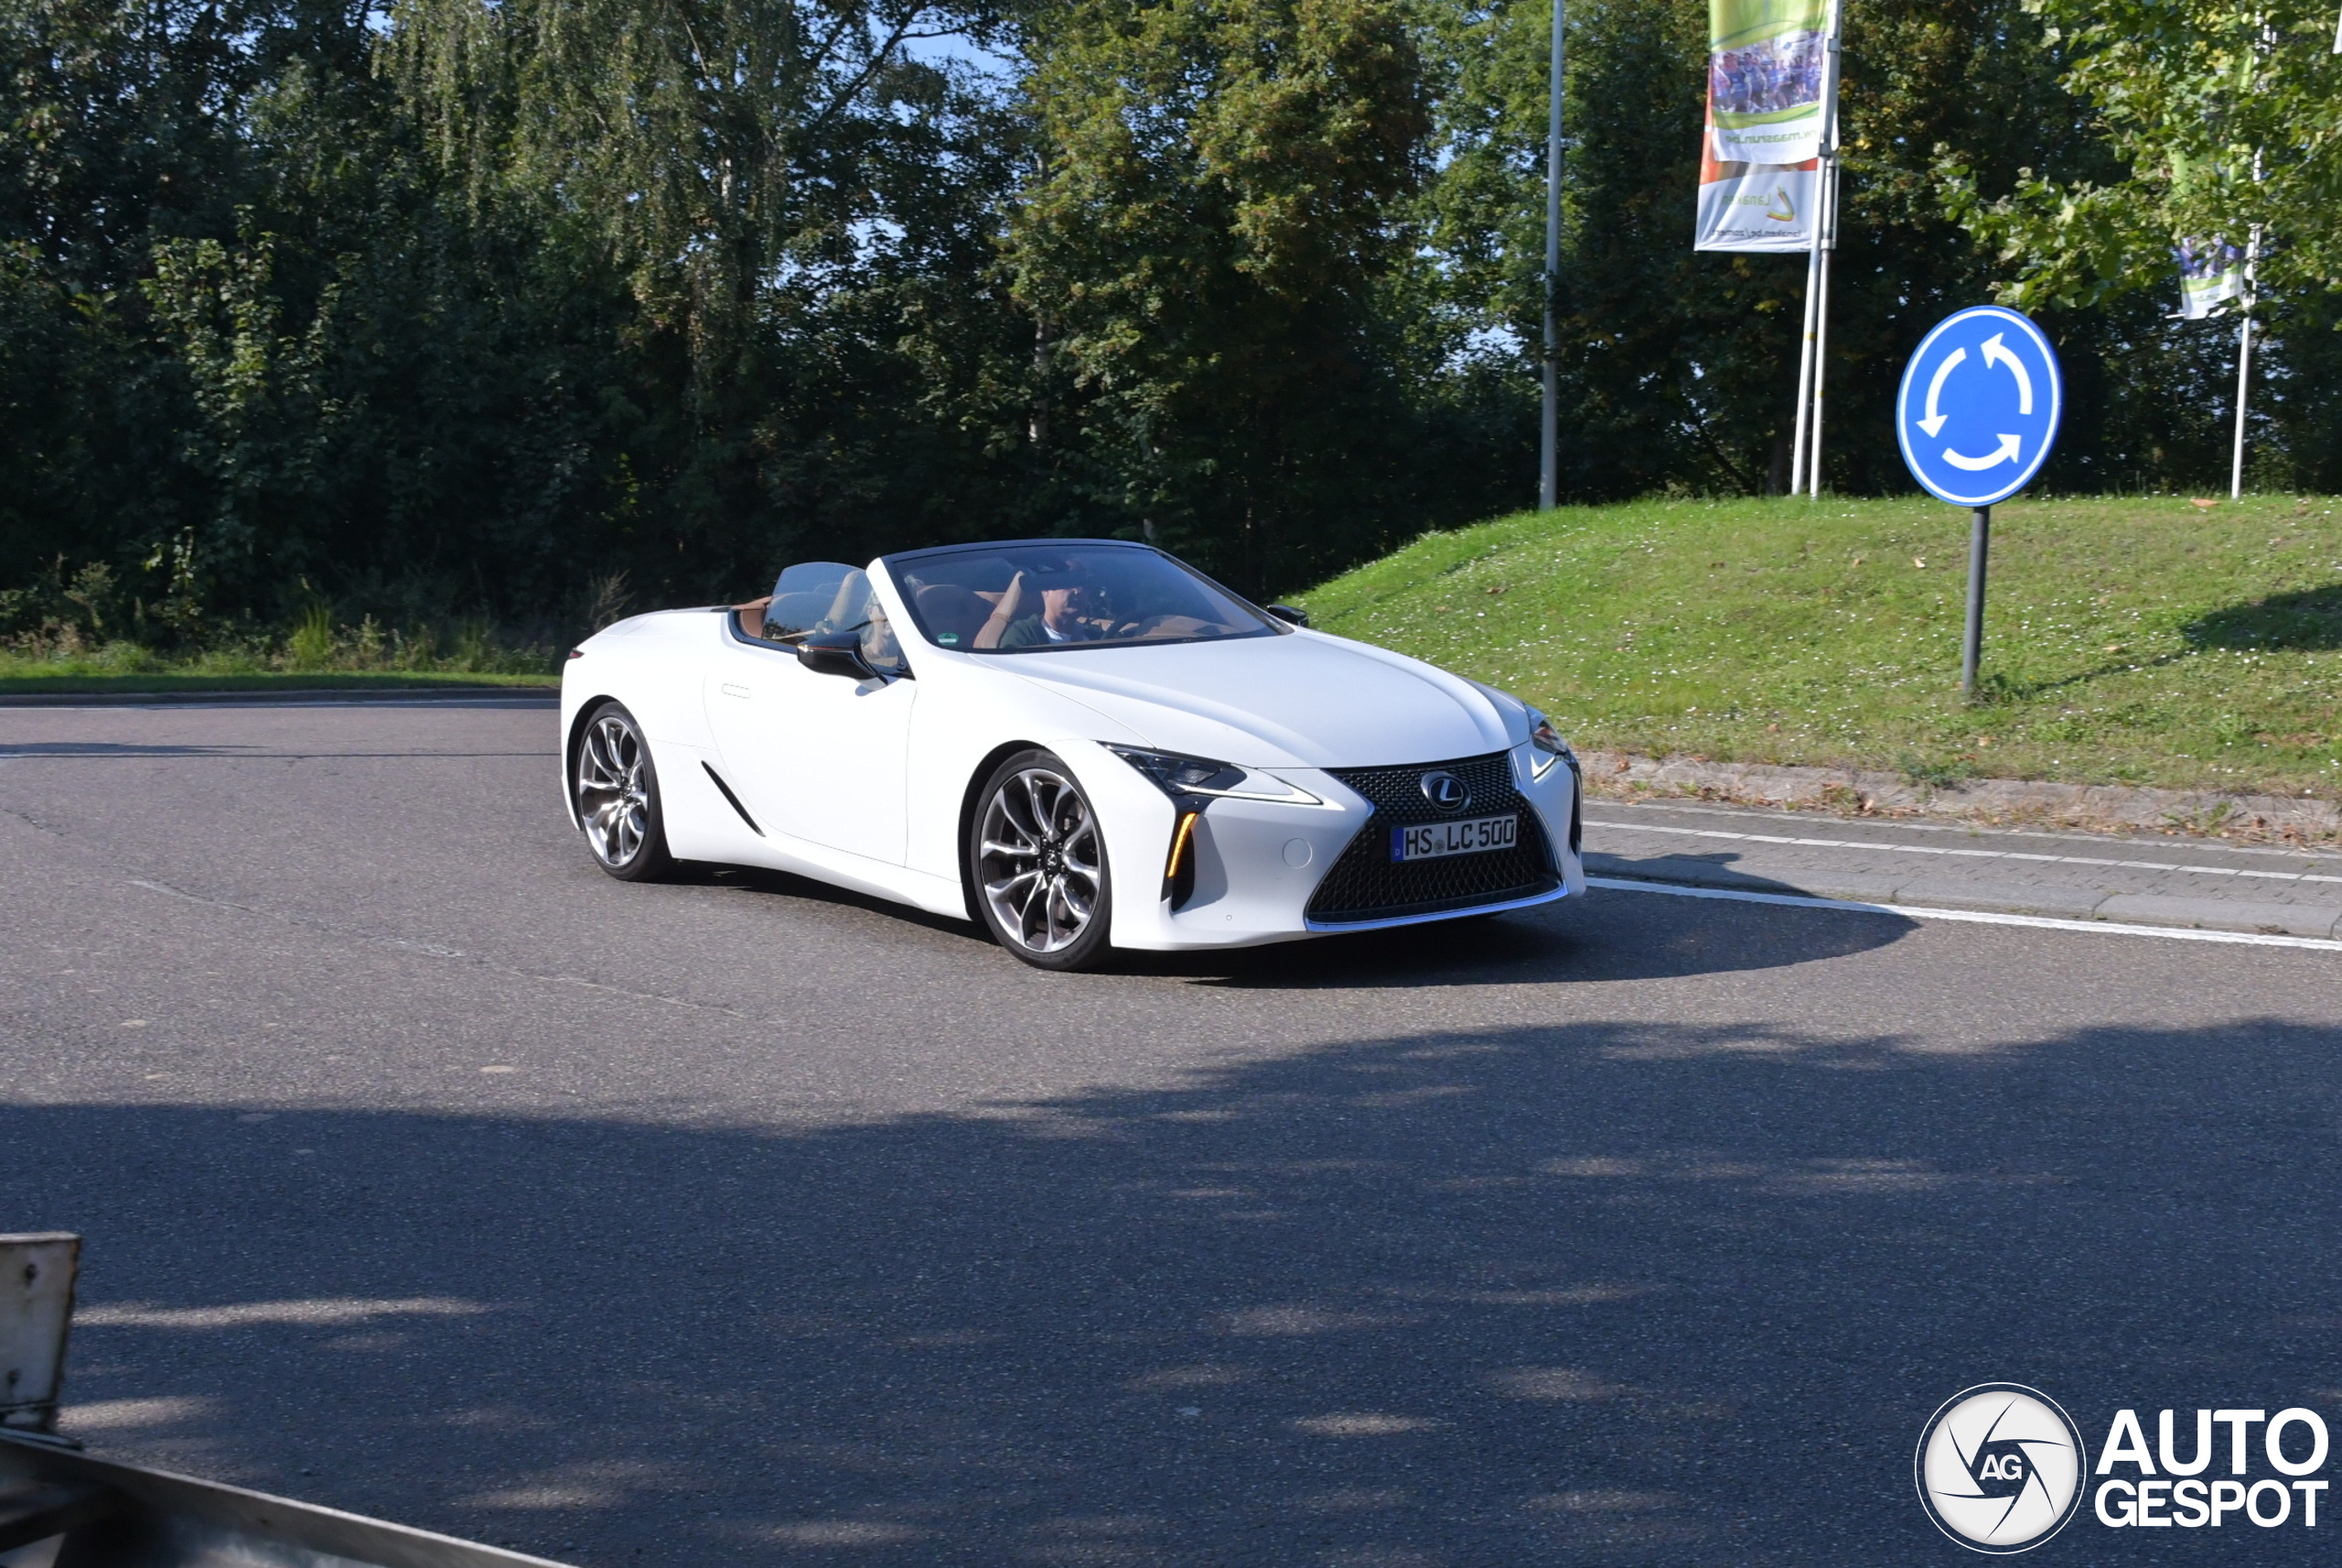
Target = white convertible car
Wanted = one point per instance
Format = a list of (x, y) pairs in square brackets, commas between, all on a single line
[(1083, 744)]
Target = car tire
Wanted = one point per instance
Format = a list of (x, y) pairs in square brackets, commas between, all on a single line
[(1037, 864), (614, 785)]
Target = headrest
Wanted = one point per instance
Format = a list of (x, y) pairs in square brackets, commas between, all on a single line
[(952, 614)]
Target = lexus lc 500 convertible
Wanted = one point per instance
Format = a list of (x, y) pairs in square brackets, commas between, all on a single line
[(1082, 744)]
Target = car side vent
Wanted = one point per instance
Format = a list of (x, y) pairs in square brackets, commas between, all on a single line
[(717, 780)]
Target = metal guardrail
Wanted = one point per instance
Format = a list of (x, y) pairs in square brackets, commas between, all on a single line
[(37, 1274), (60, 1507), (101, 1513)]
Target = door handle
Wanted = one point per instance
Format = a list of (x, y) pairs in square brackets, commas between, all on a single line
[(732, 691)]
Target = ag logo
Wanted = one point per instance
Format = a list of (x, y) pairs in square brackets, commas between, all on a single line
[(2000, 1467)]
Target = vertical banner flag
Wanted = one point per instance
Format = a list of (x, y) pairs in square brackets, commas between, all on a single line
[(1759, 176), (2211, 273), (1757, 206)]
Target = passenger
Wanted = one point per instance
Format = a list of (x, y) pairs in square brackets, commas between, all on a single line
[(878, 644)]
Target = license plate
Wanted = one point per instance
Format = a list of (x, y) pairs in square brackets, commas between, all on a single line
[(1472, 836)]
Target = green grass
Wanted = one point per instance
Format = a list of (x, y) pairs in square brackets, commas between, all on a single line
[(317, 655), (2141, 641), (14, 683)]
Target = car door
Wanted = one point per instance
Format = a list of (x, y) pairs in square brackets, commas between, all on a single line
[(817, 757)]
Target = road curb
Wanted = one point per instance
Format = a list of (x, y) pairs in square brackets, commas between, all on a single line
[(304, 696), (2044, 901), (1861, 792)]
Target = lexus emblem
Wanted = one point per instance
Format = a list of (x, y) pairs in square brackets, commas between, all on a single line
[(1447, 791)]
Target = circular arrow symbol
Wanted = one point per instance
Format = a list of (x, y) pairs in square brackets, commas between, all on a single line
[(2010, 447), (1965, 437), (1996, 352)]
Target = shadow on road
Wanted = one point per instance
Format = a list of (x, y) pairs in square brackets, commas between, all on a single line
[(1602, 937), (1580, 1293)]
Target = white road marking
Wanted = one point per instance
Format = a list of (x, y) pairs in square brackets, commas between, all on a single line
[(1966, 854), (1971, 916)]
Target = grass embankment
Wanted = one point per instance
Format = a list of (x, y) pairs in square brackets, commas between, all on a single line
[(13, 683), (2135, 641), (316, 656)]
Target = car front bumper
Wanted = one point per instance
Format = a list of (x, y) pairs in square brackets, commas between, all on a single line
[(1258, 863)]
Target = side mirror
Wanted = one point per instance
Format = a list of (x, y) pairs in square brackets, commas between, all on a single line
[(836, 653), (1288, 614)]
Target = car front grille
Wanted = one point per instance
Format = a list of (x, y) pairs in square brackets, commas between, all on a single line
[(1365, 884)]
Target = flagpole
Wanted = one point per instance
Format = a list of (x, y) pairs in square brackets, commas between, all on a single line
[(2244, 362), (1817, 282), (1805, 360), (1825, 232), (1825, 213), (1549, 457)]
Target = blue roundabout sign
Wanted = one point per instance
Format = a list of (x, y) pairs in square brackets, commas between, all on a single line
[(1978, 412)]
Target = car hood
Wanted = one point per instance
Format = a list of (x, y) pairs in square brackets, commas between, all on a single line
[(1305, 700)]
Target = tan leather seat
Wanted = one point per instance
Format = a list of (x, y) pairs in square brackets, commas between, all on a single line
[(953, 614)]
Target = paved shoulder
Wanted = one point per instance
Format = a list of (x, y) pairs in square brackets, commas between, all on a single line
[(2137, 880)]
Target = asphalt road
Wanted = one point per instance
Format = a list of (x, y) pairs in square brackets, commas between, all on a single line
[(429, 1173)]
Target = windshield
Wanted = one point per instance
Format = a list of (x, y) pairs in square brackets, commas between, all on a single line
[(821, 598), (1031, 597)]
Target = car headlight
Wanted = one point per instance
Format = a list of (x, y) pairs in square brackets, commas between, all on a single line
[(1187, 777), (1546, 745)]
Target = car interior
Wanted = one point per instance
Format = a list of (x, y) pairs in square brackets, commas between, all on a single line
[(813, 595), (968, 599)]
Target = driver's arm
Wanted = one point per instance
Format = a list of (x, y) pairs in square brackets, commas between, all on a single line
[(1003, 613)]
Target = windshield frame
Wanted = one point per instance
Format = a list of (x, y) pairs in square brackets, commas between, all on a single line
[(1268, 625)]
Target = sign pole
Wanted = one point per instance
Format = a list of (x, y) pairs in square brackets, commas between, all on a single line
[(1979, 543), (1549, 455)]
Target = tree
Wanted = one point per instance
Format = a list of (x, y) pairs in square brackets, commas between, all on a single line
[(1679, 370), (756, 169), (1200, 248), (2221, 118), (2212, 120)]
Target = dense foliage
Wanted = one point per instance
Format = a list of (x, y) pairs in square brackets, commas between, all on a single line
[(526, 309)]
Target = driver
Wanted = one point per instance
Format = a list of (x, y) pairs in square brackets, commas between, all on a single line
[(1066, 614)]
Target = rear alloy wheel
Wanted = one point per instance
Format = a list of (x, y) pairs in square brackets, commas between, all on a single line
[(1039, 863), (616, 791)]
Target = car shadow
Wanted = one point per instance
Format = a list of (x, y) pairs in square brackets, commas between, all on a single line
[(1607, 934), (1717, 869), (1574, 1292), (1598, 936), (760, 882), (1601, 935)]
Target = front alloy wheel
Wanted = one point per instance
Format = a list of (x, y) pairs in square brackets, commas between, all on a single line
[(616, 790), (1041, 864)]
